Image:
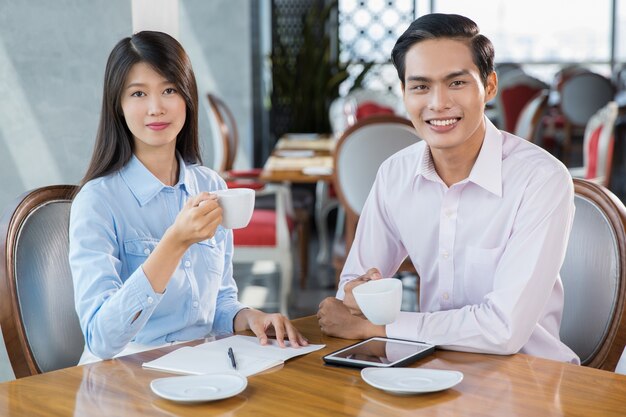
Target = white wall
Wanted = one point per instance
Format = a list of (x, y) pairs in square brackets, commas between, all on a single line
[(52, 57), (216, 35)]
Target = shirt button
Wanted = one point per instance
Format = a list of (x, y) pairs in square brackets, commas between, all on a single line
[(187, 264), (445, 254), (150, 300), (195, 304), (445, 296), (449, 213), (146, 251)]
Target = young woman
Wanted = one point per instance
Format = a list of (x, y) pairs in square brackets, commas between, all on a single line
[(150, 262)]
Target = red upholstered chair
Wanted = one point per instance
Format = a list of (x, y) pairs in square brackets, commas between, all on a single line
[(268, 235), (598, 146), (360, 104), (515, 89), (529, 121), (370, 108)]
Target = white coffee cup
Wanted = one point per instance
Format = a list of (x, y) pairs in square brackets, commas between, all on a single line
[(237, 206), (379, 299)]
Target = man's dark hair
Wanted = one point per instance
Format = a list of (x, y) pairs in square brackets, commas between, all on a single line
[(451, 26)]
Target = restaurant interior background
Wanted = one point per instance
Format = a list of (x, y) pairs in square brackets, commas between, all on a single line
[(53, 54)]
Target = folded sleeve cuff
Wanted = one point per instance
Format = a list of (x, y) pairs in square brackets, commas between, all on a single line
[(141, 289), (118, 322), (225, 316), (406, 326)]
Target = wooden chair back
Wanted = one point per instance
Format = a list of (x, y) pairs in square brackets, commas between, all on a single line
[(594, 278), (359, 153), (228, 135), (37, 315), (515, 90), (530, 118), (583, 94), (598, 144)]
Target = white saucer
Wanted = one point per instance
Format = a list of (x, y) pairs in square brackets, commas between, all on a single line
[(199, 388), (410, 380), (317, 171)]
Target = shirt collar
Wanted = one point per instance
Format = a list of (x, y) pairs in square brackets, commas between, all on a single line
[(145, 186), (426, 166), (487, 170)]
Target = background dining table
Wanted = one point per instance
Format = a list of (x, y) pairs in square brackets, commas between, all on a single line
[(297, 160), (306, 159)]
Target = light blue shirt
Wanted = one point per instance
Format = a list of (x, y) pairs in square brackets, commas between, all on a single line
[(116, 221)]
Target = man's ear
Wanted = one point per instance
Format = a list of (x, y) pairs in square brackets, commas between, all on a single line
[(402, 87), (491, 89)]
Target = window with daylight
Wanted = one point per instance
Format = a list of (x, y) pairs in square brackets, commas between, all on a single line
[(542, 35), (367, 32)]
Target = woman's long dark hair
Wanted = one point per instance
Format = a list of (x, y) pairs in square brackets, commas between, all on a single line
[(114, 142)]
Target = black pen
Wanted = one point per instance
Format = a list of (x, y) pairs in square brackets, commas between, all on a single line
[(231, 355)]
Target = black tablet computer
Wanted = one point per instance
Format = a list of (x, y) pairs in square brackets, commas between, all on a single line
[(381, 352)]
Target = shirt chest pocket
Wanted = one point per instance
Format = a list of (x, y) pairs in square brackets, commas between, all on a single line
[(480, 269), (137, 251), (212, 252)]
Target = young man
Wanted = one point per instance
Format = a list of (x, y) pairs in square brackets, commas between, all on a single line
[(483, 215)]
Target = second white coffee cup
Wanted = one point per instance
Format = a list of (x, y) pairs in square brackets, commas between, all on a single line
[(237, 206), (380, 299)]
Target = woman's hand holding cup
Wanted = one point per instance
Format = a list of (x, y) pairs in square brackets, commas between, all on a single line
[(198, 219)]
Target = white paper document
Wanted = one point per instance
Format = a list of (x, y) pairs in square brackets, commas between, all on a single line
[(211, 357)]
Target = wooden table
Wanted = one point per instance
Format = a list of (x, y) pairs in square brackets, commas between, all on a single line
[(289, 170), (518, 385), (279, 168)]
